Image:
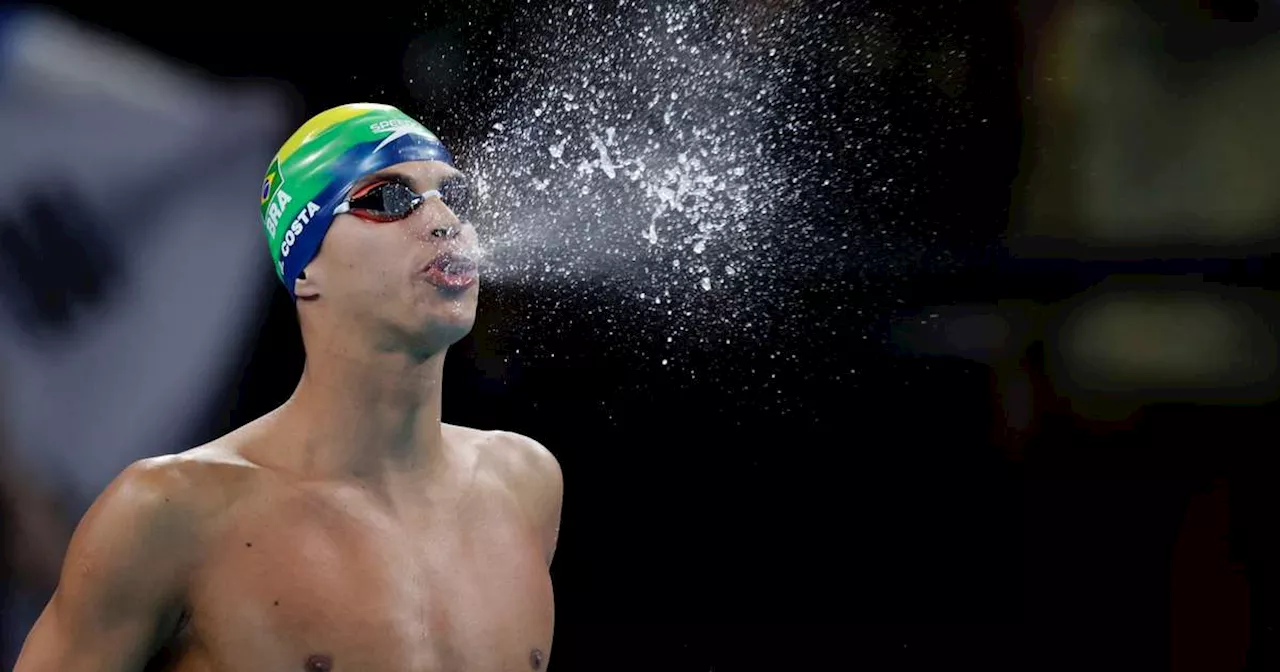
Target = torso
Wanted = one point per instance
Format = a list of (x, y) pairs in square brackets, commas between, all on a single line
[(318, 576)]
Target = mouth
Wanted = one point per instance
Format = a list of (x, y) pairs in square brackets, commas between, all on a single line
[(452, 271)]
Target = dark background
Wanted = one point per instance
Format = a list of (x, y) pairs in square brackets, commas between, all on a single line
[(887, 520)]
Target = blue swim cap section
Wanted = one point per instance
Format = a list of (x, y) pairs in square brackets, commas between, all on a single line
[(355, 163)]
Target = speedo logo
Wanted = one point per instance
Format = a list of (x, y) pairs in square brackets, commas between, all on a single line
[(296, 226), (389, 125)]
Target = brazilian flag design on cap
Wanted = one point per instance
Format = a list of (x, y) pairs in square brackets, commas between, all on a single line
[(272, 182)]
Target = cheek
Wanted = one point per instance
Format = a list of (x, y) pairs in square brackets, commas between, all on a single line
[(386, 246), (367, 261)]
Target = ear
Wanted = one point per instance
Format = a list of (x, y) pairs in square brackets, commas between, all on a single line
[(306, 287)]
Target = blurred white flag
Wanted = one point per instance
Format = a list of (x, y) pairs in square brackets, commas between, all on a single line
[(132, 264)]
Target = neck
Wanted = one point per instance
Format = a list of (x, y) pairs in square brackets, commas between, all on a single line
[(368, 415)]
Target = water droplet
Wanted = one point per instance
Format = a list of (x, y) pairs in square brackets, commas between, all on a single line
[(557, 150)]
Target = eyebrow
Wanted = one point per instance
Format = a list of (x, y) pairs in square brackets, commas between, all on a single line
[(455, 178), (406, 179), (382, 176)]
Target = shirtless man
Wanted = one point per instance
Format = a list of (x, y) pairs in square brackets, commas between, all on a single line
[(349, 529)]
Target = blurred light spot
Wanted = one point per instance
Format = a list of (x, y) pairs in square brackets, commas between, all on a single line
[(1166, 340)]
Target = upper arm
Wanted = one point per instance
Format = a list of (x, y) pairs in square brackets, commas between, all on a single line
[(542, 485), (552, 500), (121, 587)]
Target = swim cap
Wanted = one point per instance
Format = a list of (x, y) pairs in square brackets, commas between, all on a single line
[(318, 164)]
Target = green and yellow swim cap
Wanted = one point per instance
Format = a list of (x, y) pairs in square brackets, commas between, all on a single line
[(316, 167)]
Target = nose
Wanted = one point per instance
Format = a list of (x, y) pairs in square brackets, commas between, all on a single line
[(452, 231), (442, 224)]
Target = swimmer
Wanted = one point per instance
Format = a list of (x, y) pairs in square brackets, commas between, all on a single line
[(348, 530)]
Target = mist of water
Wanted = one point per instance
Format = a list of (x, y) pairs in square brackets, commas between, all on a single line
[(696, 168)]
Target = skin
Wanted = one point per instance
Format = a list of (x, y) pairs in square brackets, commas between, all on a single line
[(349, 529)]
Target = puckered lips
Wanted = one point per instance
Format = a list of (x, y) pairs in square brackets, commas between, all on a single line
[(452, 270)]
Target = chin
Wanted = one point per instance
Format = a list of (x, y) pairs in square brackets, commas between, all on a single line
[(452, 322), (444, 314), (437, 336), (456, 306)]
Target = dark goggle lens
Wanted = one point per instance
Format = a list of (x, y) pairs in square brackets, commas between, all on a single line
[(388, 201), (456, 194)]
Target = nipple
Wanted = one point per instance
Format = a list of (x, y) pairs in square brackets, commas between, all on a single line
[(318, 663)]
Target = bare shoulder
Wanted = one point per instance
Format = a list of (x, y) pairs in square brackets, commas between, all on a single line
[(203, 476), (142, 533), (523, 453), (176, 492), (124, 576), (520, 460), (522, 464), (529, 470), (169, 494)]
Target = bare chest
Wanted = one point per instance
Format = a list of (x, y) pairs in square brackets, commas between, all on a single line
[(344, 588)]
